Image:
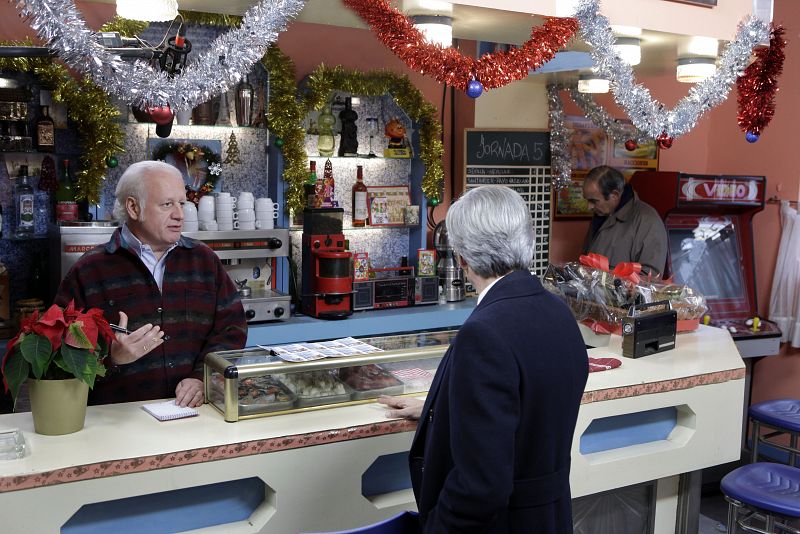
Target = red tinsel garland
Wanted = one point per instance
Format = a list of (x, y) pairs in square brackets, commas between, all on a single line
[(759, 83), (448, 65)]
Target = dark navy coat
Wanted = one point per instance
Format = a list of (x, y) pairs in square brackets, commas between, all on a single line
[(492, 449)]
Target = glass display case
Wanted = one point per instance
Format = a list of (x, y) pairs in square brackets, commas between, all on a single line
[(254, 382)]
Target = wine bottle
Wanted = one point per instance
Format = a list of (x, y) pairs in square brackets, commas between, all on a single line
[(66, 207), (359, 199), (310, 186), (24, 202), (45, 131)]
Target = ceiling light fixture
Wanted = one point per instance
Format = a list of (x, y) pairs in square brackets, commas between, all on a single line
[(437, 29), (629, 49), (592, 83), (695, 69), (148, 10)]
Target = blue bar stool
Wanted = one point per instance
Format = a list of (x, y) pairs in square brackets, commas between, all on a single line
[(764, 492), (782, 416)]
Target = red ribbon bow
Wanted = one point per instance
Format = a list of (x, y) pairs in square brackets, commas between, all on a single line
[(626, 270)]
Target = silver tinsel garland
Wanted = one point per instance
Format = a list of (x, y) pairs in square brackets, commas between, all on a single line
[(229, 58), (620, 132), (560, 163), (649, 115)]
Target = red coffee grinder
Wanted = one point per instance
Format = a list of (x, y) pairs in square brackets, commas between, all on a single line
[(327, 291)]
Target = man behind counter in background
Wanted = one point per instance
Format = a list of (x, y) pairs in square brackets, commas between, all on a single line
[(492, 448), (172, 292), (623, 228)]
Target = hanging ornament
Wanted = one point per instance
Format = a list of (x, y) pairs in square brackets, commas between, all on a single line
[(433, 202), (451, 67), (112, 162), (758, 85), (631, 145), (278, 142), (474, 89), (232, 152), (160, 114), (664, 141)]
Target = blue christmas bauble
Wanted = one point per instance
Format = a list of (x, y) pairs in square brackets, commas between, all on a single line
[(474, 89), (751, 137)]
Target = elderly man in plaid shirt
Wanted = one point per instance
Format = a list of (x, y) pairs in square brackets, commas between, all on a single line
[(170, 291)]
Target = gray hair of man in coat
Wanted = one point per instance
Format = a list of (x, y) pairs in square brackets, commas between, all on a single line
[(132, 184), (490, 227)]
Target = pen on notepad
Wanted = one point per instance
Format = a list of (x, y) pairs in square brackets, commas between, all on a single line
[(117, 328)]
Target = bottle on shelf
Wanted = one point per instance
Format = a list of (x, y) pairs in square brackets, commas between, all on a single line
[(359, 217), (24, 202), (310, 187), (66, 207), (45, 131), (348, 144), (326, 141), (244, 103)]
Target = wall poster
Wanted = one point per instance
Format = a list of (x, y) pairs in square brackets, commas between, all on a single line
[(589, 147)]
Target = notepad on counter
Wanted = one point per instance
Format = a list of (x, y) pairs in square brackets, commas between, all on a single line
[(168, 410)]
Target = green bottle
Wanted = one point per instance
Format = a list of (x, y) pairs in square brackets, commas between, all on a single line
[(310, 186), (326, 141)]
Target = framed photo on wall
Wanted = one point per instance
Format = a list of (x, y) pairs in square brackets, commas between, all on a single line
[(198, 160), (386, 204)]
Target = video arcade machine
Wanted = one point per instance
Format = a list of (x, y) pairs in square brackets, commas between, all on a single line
[(326, 277), (709, 225)]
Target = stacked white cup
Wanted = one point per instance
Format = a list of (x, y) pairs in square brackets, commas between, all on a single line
[(206, 213), (224, 206), (190, 220), (266, 213), (245, 216)]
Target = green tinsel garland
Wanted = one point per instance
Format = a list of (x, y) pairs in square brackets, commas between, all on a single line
[(324, 80), (90, 110)]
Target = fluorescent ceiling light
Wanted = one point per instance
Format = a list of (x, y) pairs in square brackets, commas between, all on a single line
[(629, 50), (437, 29), (695, 69), (147, 10), (698, 46), (591, 83)]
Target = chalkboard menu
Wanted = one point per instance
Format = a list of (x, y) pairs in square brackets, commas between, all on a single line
[(519, 159)]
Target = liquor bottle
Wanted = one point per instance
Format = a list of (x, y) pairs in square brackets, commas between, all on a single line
[(348, 144), (326, 141), (23, 199), (359, 199), (244, 103), (310, 186), (66, 207), (45, 132)]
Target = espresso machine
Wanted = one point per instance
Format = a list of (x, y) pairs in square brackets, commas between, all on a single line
[(451, 275), (327, 291), (251, 260)]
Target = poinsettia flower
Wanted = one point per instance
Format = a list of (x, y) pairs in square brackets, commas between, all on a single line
[(70, 313), (102, 324), (82, 333), (51, 325)]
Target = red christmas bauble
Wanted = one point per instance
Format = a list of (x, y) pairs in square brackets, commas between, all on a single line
[(160, 114), (631, 145), (664, 141)]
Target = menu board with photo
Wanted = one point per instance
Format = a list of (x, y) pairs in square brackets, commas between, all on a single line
[(519, 159), (589, 147)]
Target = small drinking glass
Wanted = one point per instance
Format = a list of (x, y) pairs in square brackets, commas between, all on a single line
[(372, 129), (12, 444)]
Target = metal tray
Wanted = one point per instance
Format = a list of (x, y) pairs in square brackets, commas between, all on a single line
[(396, 388), (305, 401), (264, 383)]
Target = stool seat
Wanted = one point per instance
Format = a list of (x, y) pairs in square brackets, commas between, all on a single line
[(771, 487), (781, 413)]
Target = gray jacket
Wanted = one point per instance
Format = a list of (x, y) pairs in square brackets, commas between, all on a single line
[(634, 233)]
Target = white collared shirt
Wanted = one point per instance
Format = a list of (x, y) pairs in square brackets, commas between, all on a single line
[(146, 254), (487, 288)]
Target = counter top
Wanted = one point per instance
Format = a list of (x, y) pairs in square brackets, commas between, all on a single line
[(122, 438)]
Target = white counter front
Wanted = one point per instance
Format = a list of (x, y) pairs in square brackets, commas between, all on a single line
[(312, 463)]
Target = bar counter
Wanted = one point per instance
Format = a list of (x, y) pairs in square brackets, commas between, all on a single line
[(652, 420)]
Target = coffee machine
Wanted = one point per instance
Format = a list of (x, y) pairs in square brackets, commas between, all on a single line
[(251, 260), (327, 291), (451, 275)]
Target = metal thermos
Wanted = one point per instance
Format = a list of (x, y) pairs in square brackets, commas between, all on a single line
[(451, 275)]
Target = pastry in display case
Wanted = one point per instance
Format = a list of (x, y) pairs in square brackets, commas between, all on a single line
[(255, 382)]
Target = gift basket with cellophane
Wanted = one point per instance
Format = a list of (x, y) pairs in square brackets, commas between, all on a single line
[(600, 297)]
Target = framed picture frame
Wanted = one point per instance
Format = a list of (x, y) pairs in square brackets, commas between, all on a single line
[(703, 3), (426, 262), (198, 160), (386, 204), (569, 203), (360, 266)]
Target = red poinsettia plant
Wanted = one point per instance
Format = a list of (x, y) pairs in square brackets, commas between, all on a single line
[(59, 344)]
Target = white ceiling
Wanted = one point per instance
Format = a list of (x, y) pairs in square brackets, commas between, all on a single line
[(659, 50)]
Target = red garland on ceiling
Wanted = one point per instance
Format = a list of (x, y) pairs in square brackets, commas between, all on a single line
[(758, 85), (448, 65)]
